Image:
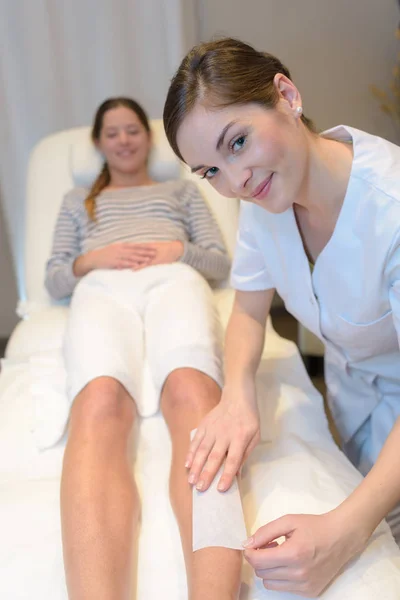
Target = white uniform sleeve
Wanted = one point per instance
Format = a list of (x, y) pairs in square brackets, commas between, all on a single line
[(249, 272)]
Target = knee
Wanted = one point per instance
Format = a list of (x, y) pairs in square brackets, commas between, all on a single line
[(189, 390), (103, 402)]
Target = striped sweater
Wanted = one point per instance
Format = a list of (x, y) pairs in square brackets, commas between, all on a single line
[(169, 211)]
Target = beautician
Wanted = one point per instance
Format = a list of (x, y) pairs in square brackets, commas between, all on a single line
[(319, 223)]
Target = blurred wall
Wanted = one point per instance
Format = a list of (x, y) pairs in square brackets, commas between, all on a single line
[(334, 50)]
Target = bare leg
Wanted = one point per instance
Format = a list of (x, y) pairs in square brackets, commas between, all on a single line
[(99, 500), (213, 573)]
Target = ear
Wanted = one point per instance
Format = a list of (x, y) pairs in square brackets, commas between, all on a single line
[(287, 91)]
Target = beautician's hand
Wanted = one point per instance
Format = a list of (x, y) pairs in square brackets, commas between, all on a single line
[(315, 550), (114, 256), (229, 432), (164, 253)]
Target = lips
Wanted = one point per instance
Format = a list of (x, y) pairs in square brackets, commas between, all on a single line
[(125, 153), (263, 189)]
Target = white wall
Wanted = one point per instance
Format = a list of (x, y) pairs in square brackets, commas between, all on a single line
[(334, 49)]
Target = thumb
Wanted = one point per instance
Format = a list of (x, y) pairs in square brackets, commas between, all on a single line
[(270, 532)]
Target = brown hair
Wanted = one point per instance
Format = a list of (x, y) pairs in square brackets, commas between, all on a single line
[(221, 73), (104, 178)]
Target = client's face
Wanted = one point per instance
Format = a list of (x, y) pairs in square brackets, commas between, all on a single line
[(124, 141)]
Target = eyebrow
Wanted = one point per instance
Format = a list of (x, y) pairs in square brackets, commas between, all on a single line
[(220, 141), (223, 133)]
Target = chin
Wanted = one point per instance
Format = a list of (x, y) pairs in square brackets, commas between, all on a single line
[(276, 209), (273, 206), (129, 169)]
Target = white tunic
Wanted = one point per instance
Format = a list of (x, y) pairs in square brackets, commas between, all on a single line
[(351, 301)]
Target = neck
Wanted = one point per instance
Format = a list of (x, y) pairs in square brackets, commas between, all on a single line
[(328, 173), (118, 179)]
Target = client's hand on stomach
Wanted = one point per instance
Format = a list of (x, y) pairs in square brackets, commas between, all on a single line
[(229, 432), (114, 256), (164, 253)]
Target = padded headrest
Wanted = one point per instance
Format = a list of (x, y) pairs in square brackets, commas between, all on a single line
[(86, 161)]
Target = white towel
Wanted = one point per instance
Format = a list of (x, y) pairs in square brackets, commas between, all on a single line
[(49, 398), (51, 406)]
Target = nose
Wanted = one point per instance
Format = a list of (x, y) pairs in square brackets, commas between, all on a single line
[(238, 178), (123, 137)]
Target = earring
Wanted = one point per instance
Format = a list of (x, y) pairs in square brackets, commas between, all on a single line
[(299, 111)]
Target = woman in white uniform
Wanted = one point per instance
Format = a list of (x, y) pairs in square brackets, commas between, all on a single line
[(320, 223)]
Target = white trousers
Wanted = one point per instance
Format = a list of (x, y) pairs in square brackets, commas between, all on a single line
[(138, 327)]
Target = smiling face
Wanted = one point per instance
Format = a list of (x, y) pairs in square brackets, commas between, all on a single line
[(247, 151), (124, 141)]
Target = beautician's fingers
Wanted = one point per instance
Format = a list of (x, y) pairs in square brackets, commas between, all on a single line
[(315, 549), (212, 466), (232, 466), (202, 454), (284, 579), (272, 531), (194, 444), (269, 558), (270, 545), (278, 574), (286, 586)]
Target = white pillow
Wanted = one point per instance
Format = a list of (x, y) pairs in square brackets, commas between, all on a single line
[(85, 160)]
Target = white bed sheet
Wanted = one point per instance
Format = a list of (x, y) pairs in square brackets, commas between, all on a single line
[(296, 468)]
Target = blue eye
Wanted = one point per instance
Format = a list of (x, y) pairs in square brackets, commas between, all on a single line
[(210, 173), (238, 143)]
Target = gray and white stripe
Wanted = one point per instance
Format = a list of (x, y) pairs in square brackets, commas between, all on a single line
[(169, 211)]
